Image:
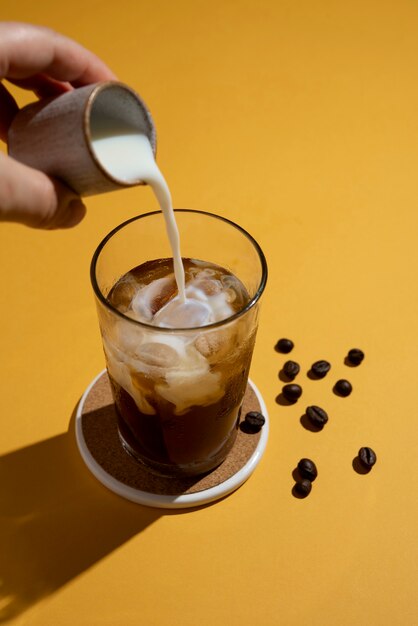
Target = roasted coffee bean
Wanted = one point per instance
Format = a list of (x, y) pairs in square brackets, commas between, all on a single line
[(291, 369), (320, 368), (343, 387), (303, 487), (284, 345), (292, 392), (367, 456), (355, 356), (255, 420), (307, 469), (317, 416)]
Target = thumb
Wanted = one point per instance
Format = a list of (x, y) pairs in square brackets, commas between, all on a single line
[(30, 197)]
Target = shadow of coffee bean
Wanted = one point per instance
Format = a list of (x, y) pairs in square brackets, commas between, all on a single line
[(349, 363), (306, 423), (296, 475), (310, 374), (284, 378), (283, 401)]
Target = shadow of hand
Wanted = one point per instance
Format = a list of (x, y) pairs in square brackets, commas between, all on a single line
[(56, 521)]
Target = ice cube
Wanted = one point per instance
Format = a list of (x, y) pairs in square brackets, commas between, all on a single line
[(235, 290), (189, 314), (152, 297), (158, 354), (230, 296), (212, 345), (128, 337), (123, 292), (209, 286), (214, 295), (206, 271), (220, 307)]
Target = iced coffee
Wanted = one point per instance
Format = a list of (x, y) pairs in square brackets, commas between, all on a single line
[(179, 367)]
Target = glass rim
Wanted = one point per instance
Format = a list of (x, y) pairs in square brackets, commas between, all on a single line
[(250, 304)]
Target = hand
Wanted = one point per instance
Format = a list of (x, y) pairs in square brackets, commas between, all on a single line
[(49, 64)]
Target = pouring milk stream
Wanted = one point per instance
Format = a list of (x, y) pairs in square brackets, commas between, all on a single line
[(129, 157)]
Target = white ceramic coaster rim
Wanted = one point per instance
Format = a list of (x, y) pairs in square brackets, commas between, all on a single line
[(166, 501)]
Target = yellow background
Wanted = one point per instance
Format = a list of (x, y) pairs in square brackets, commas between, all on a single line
[(299, 120)]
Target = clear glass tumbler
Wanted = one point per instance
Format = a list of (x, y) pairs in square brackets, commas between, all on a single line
[(179, 416)]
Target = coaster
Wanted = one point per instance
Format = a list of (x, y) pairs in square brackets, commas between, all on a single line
[(100, 447)]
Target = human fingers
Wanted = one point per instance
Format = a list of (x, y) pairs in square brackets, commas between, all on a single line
[(43, 86), (27, 50), (29, 197)]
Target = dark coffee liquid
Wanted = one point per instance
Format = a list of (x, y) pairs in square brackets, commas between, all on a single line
[(183, 435), (188, 444)]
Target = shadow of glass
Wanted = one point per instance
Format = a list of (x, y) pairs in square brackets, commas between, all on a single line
[(56, 521)]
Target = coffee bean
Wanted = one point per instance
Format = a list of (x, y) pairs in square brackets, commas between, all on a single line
[(255, 420), (343, 388), (291, 369), (320, 368), (303, 487), (284, 345), (367, 456), (292, 392), (307, 469), (317, 416), (355, 356)]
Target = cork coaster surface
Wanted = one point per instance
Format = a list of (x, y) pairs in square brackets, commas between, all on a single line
[(99, 430)]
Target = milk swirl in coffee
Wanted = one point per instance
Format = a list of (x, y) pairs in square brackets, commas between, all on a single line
[(177, 395)]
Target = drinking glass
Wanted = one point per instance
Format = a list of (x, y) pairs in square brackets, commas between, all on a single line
[(178, 416)]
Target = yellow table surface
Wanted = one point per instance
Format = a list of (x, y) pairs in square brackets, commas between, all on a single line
[(299, 120)]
